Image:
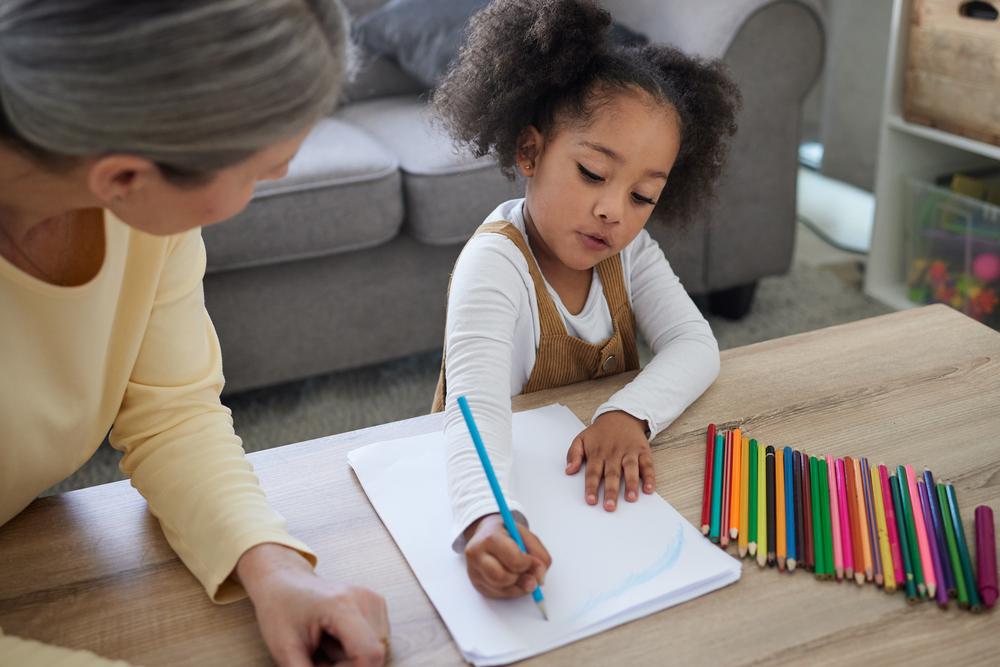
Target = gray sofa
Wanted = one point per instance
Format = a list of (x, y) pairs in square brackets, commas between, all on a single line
[(345, 262)]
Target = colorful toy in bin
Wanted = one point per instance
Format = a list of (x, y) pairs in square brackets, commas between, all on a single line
[(931, 281)]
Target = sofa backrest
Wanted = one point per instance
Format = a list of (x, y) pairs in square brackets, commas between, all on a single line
[(375, 75)]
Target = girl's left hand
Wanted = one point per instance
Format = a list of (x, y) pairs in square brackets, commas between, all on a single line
[(615, 443)]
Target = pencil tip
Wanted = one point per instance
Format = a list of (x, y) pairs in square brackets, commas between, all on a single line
[(704, 529), (743, 552), (541, 607), (752, 548), (791, 564), (859, 577), (733, 533)]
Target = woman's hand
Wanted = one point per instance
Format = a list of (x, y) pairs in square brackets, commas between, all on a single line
[(614, 443), (497, 567), (299, 612)]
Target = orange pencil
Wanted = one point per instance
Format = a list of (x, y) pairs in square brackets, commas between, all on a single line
[(857, 555), (866, 545), (781, 547), (734, 505)]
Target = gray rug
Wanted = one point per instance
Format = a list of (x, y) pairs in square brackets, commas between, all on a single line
[(805, 299)]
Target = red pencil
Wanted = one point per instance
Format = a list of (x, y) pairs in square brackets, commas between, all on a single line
[(727, 489), (890, 521), (706, 503)]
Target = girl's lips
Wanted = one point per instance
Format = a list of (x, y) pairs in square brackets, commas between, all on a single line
[(593, 242)]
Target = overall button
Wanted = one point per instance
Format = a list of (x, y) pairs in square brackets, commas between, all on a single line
[(609, 364)]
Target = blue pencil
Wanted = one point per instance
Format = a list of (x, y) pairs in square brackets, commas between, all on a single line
[(717, 472), (790, 512), (508, 518)]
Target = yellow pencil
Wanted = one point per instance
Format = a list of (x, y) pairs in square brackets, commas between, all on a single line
[(883, 534), (744, 496), (734, 499), (779, 510), (761, 507)]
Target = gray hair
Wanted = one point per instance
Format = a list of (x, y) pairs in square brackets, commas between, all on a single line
[(192, 85)]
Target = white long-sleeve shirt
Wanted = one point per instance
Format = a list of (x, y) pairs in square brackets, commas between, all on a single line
[(493, 332)]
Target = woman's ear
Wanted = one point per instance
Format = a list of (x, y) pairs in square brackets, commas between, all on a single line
[(115, 178), (529, 147)]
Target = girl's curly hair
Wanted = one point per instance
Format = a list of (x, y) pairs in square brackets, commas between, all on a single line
[(549, 63)]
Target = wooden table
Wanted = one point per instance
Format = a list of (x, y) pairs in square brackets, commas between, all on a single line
[(90, 569)]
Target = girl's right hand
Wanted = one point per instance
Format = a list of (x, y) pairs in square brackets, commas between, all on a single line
[(497, 567)]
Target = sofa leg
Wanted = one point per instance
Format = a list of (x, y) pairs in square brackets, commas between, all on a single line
[(733, 303)]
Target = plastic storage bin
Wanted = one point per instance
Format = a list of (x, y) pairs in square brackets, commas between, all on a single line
[(953, 251)]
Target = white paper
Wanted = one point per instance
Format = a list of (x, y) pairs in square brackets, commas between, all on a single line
[(607, 568)]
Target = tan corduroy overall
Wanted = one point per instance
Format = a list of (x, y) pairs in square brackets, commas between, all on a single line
[(562, 359)]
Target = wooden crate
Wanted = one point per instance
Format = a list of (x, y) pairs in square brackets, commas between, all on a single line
[(953, 70)]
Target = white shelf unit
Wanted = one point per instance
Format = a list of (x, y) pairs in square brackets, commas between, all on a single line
[(907, 150)]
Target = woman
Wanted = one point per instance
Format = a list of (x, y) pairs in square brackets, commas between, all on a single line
[(124, 128)]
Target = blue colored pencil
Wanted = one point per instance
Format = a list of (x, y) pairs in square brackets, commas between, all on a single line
[(790, 547), (716, 516), (508, 518)]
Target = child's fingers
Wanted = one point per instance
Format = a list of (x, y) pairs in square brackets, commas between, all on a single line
[(537, 550), (505, 550), (631, 466), (574, 457), (489, 570), (646, 472), (612, 480), (592, 480)]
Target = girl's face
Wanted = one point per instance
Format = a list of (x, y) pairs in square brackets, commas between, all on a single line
[(591, 189)]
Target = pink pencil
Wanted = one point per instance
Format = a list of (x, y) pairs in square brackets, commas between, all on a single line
[(890, 519), (847, 547), (925, 549), (838, 556)]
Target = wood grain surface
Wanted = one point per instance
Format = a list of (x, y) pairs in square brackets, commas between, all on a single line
[(90, 569)]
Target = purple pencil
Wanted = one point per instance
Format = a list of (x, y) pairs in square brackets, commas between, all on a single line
[(925, 503), (866, 483), (942, 544)]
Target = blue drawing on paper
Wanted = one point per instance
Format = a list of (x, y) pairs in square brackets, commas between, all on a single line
[(658, 567)]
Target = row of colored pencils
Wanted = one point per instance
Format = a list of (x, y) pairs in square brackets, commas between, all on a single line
[(841, 518)]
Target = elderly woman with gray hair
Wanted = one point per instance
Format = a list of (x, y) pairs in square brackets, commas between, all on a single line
[(124, 128)]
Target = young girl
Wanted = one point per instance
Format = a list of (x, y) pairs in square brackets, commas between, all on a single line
[(551, 288)]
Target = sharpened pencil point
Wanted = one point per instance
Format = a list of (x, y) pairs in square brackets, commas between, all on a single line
[(541, 608), (790, 563), (859, 577), (752, 549), (840, 573), (733, 534), (704, 529), (743, 552)]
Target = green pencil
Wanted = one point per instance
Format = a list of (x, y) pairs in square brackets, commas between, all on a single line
[(824, 499), (911, 532), (752, 515), (904, 544), (819, 552), (963, 549), (949, 535)]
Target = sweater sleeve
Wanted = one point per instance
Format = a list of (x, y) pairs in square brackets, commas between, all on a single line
[(28, 653), (178, 441), (485, 298), (686, 354)]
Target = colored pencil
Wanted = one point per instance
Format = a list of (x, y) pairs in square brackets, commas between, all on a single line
[(866, 480), (819, 552), (890, 521), (949, 531), (947, 572), (852, 504), (847, 546), (800, 536), (986, 556), (824, 499), (885, 550), (918, 520), (716, 520), (508, 518), (771, 533), (941, 592), (909, 581), (807, 513), (866, 545), (706, 501), (791, 554), (911, 533), (762, 537), (752, 511), (727, 490), (963, 549), (838, 553), (735, 495), (743, 533), (781, 530)]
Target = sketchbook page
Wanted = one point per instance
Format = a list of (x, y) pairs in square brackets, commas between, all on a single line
[(608, 568)]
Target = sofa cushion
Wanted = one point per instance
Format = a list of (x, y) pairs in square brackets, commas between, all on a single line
[(448, 192), (342, 193)]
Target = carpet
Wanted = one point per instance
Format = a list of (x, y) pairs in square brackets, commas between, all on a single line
[(806, 298)]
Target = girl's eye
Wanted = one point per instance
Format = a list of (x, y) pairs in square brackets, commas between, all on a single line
[(589, 175), (643, 200)]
